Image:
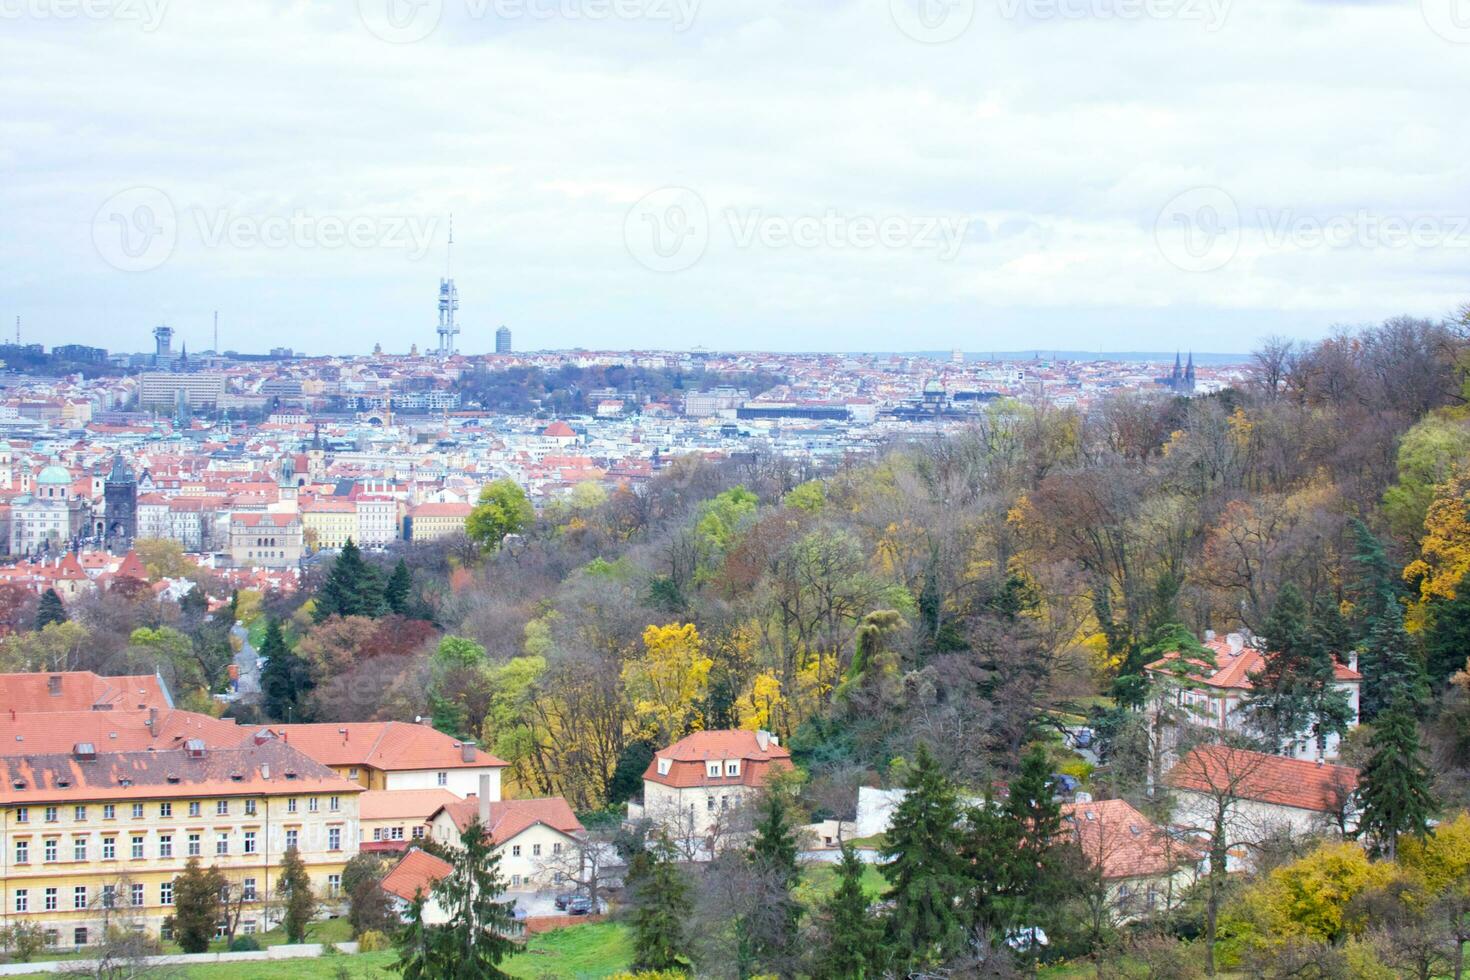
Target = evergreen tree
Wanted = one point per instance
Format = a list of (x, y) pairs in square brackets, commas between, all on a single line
[(989, 851), (294, 886), (1394, 787), (1390, 669), (352, 587), (660, 908), (197, 911), (1039, 869), (850, 943), (476, 937), (773, 857), (286, 678), (50, 610), (399, 590), (1447, 638), (1295, 690), (923, 867)]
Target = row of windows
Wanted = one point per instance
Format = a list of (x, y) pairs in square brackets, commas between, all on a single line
[(52, 814), (515, 849), (396, 833), (108, 897), (137, 845)]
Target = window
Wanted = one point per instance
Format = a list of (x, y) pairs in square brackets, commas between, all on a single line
[(442, 778), (515, 850), (79, 935), (109, 896), (249, 842), (713, 769), (52, 900), (312, 804), (556, 847), (334, 838), (79, 897), (137, 849), (222, 842), (535, 850), (334, 885), (418, 833), (136, 898), (249, 927), (166, 893), (515, 879), (22, 814), (165, 809), (247, 889), (249, 808), (79, 813), (194, 808), (193, 845), (137, 811), (52, 815), (221, 808), (377, 833), (663, 766), (165, 845), (79, 849), (334, 804), (109, 811), (291, 805), (22, 900), (352, 773), (709, 803), (22, 852), (732, 768), (291, 838), (109, 848)]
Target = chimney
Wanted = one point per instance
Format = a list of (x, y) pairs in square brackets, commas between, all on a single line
[(1237, 643), (265, 770), (1353, 661), (153, 722), (467, 751), (485, 800), (763, 739)]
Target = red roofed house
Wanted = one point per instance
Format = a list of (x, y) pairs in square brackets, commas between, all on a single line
[(1141, 868), (537, 840), (691, 785), (1261, 793), (390, 819), (415, 875), (394, 755), (1214, 694), (81, 690)]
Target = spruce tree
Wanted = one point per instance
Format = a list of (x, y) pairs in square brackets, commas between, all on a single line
[(286, 678), (924, 869), (772, 855), (1039, 873), (294, 886), (850, 943), (476, 937), (660, 909), (50, 610), (1390, 669), (352, 587), (1447, 638), (1295, 690), (990, 850), (196, 906), (397, 592), (1394, 787)]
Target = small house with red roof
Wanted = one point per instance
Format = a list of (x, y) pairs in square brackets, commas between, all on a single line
[(537, 840), (694, 786), (1212, 693)]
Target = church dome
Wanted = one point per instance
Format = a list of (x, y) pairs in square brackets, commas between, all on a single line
[(55, 476)]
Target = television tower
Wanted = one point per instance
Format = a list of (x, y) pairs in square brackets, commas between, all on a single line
[(448, 300)]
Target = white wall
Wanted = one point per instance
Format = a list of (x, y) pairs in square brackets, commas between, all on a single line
[(460, 782)]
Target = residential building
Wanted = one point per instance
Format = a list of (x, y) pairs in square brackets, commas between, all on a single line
[(1139, 867), (329, 522), (393, 819), (536, 840), (80, 690), (432, 521), (161, 391), (694, 784), (415, 876), (47, 520), (377, 520), (397, 755)]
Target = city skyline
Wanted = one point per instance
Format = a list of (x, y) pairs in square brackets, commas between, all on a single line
[(667, 176)]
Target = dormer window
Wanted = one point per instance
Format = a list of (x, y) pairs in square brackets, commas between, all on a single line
[(663, 766), (732, 767), (713, 770)]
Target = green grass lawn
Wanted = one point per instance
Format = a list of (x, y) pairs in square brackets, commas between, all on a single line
[(820, 880)]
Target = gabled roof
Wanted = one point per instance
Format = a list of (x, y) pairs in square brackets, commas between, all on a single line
[(415, 874), (1233, 668), (1274, 779), (388, 745), (80, 690), (118, 730), (1123, 841), (757, 752), (509, 818)]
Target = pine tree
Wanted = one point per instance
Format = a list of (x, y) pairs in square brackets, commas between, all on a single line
[(399, 588), (850, 944), (50, 610), (989, 850), (923, 867), (1390, 669), (773, 857), (352, 587), (1394, 787), (1295, 690), (661, 908), (286, 678), (197, 906), (294, 886)]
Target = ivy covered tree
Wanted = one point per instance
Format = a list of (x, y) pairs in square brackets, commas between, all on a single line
[(477, 934), (352, 587), (1395, 786), (850, 940), (286, 679), (50, 610), (923, 868)]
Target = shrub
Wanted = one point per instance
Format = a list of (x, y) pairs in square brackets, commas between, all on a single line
[(244, 944), (372, 941)]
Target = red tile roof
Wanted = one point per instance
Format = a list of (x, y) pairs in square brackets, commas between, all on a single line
[(1265, 778), (1123, 841), (403, 804), (415, 874), (79, 690), (508, 818), (688, 757), (118, 730), (1233, 670), (393, 746)]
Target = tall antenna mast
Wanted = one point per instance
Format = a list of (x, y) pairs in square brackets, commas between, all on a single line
[(216, 333), (17, 331), (448, 300)]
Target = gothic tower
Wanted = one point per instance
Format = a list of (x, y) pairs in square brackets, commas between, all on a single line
[(120, 498)]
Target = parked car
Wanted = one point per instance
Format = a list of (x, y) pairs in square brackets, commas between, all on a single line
[(563, 898), (1063, 784), (580, 905)]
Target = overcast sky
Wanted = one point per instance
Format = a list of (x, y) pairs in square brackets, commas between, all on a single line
[(780, 174)]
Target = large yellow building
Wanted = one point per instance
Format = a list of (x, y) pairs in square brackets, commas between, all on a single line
[(87, 835), (429, 522), (329, 523)]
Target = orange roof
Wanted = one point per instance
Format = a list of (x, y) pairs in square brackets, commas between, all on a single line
[(1123, 841), (758, 752), (1265, 778), (118, 730), (509, 818), (559, 430), (415, 874), (403, 804), (1233, 669), (392, 746), (442, 510), (80, 690), (132, 567)]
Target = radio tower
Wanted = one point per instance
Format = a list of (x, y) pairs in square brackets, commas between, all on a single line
[(448, 300)]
